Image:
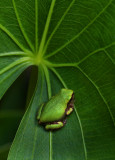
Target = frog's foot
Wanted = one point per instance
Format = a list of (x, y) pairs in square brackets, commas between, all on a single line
[(69, 110), (55, 125), (70, 105)]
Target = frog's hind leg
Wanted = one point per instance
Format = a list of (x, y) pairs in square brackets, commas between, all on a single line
[(55, 125)]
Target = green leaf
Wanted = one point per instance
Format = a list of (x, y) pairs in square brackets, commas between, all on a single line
[(14, 50), (9, 72), (72, 43), (42, 143)]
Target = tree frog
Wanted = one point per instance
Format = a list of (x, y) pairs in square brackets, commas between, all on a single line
[(53, 113)]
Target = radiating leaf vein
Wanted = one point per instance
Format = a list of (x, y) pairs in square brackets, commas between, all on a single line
[(42, 43), (25, 59), (14, 39), (101, 95), (21, 26), (58, 24), (82, 31), (74, 64), (36, 25)]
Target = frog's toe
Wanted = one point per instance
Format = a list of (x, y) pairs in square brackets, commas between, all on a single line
[(54, 125), (69, 110)]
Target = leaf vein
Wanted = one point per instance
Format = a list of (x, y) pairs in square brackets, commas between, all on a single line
[(77, 115), (49, 94), (25, 59), (36, 24), (21, 27), (109, 56), (82, 31), (17, 53), (82, 60), (14, 39), (58, 24), (101, 95), (42, 43)]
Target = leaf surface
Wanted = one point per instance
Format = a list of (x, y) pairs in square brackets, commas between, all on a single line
[(14, 50), (74, 42)]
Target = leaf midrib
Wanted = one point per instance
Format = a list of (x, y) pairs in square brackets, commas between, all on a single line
[(35, 134), (43, 40), (77, 115), (49, 94)]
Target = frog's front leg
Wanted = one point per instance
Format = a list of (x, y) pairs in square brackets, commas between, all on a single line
[(39, 112), (55, 125)]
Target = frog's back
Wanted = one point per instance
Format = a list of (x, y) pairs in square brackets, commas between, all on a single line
[(54, 109)]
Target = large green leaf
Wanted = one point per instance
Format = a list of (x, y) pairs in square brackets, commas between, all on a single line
[(72, 43), (14, 52)]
